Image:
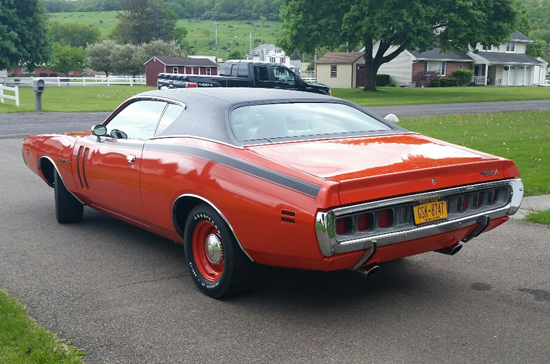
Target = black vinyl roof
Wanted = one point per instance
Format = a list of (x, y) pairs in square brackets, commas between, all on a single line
[(207, 110)]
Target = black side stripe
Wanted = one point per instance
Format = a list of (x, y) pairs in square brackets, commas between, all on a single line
[(280, 179)]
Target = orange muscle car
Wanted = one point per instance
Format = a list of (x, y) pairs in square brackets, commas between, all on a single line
[(244, 177)]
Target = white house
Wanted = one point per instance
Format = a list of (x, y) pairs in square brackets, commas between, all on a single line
[(506, 65), (268, 53)]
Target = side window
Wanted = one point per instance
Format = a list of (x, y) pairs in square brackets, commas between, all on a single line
[(138, 120), (225, 70), (243, 70), (234, 70), (262, 73), (171, 113), (282, 74)]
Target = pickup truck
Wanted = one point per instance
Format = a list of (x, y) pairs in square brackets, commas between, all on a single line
[(244, 74)]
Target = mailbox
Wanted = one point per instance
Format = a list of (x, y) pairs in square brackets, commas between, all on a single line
[(38, 85)]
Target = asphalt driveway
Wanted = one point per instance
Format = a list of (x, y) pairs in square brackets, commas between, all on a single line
[(124, 296)]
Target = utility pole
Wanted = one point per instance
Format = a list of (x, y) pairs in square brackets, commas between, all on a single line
[(250, 52), (216, 24)]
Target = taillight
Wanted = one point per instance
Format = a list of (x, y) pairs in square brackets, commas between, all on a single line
[(190, 85), (384, 218), (364, 222), (343, 225), (464, 202)]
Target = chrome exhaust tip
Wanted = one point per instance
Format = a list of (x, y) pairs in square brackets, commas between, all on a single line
[(452, 250), (369, 270)]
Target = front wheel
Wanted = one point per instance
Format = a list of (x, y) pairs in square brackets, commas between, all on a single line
[(67, 208), (218, 266)]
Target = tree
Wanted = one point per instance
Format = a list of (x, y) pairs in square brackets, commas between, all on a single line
[(23, 39), (145, 20), (128, 59), (537, 48), (74, 34), (386, 28), (99, 56), (236, 54), (161, 48), (66, 58)]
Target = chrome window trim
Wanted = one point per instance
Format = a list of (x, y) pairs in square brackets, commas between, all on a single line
[(329, 246)]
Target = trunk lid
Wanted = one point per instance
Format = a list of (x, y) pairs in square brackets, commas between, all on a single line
[(376, 167)]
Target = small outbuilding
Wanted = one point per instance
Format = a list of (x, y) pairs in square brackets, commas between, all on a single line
[(184, 66)]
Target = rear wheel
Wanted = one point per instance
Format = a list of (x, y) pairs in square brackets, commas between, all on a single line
[(67, 208), (218, 266)]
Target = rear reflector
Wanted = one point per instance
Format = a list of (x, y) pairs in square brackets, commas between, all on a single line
[(384, 218), (190, 85)]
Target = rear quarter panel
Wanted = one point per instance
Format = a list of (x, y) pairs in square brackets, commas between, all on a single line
[(271, 209)]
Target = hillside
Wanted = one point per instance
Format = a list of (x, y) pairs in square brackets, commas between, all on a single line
[(201, 37)]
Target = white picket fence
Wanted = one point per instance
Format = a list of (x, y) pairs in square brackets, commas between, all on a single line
[(79, 81), (3, 94)]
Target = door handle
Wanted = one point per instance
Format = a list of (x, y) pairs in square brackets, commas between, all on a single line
[(131, 158)]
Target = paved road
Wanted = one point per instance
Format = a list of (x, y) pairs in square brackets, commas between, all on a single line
[(19, 125), (124, 295)]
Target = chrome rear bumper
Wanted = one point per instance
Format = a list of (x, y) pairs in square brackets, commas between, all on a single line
[(330, 243)]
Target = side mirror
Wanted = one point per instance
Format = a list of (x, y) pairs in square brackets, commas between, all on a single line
[(99, 131)]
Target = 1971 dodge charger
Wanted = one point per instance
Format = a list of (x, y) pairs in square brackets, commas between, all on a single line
[(244, 177)]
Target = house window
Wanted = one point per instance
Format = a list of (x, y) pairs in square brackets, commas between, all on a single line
[(272, 59), (333, 71), (488, 48), (174, 69), (511, 47), (282, 60), (432, 66), (208, 71)]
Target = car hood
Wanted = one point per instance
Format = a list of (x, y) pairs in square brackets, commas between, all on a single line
[(391, 165)]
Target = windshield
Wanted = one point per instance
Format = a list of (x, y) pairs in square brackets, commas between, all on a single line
[(300, 119)]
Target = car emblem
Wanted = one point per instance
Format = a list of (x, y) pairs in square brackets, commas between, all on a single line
[(494, 172)]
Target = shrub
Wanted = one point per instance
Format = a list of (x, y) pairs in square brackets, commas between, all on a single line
[(435, 83), (53, 74), (425, 78), (43, 74), (382, 80), (448, 82), (464, 77), (391, 85)]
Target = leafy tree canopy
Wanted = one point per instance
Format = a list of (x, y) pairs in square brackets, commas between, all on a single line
[(145, 20), (23, 39), (66, 58), (386, 28), (74, 34)]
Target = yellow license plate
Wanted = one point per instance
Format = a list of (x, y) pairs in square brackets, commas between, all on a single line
[(431, 211)]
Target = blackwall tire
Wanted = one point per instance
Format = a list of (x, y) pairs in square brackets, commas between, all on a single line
[(218, 266), (67, 208)]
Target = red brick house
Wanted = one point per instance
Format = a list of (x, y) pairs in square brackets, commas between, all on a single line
[(184, 66)]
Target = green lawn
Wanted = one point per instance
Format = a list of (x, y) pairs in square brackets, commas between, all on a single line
[(74, 98), (21, 341), (523, 137), (541, 217), (440, 95)]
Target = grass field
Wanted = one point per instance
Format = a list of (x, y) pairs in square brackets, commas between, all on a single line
[(21, 341), (523, 137), (437, 95), (201, 35)]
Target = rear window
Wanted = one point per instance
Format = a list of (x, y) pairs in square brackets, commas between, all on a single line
[(300, 119)]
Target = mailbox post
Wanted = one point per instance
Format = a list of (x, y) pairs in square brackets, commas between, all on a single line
[(38, 87)]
